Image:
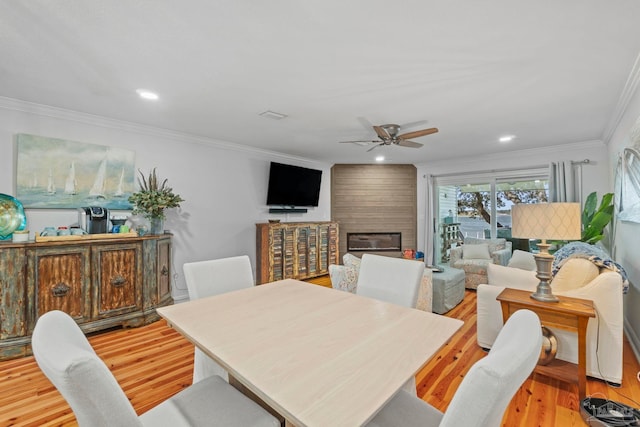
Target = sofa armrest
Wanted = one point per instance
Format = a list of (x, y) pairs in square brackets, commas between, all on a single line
[(489, 314), (502, 256), (455, 254)]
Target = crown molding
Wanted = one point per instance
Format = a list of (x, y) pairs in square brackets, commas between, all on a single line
[(627, 93), (109, 123), (529, 152)]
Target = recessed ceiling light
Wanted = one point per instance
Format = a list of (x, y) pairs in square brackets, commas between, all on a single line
[(379, 158), (147, 94), (506, 138), (273, 115)]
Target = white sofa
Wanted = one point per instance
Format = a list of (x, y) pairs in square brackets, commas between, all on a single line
[(604, 333), (345, 278)]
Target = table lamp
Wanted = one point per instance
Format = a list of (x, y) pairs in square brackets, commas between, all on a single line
[(554, 221)]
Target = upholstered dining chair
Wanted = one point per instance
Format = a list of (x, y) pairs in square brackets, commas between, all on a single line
[(394, 280), (214, 277), (66, 357), (486, 390)]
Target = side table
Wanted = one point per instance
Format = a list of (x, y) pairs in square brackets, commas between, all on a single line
[(571, 314)]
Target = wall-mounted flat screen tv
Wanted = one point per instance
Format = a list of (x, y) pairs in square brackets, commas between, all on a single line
[(293, 185)]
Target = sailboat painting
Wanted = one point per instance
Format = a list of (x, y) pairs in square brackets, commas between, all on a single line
[(73, 174)]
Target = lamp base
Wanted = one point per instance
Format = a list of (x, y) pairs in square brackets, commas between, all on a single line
[(541, 295), (544, 261)]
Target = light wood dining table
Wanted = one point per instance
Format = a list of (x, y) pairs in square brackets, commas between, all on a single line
[(315, 355)]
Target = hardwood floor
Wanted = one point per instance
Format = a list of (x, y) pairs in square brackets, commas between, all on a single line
[(154, 362)]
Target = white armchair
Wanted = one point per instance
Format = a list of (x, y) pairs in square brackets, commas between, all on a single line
[(476, 254), (604, 333)]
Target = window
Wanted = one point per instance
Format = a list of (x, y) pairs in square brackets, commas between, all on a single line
[(479, 206)]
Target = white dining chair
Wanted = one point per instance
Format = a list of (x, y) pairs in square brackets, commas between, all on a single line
[(393, 280), (389, 279), (66, 357), (214, 277), (486, 390)]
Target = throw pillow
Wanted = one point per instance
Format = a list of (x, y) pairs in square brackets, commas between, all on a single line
[(476, 251), (351, 261), (574, 274), (522, 260)]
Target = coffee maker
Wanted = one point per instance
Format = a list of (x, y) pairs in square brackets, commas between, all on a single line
[(93, 219)]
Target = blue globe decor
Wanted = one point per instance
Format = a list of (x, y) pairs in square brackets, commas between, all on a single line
[(12, 217)]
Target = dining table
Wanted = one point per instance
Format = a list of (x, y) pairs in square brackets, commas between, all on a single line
[(314, 355)]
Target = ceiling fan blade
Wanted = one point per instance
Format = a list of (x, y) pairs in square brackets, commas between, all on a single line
[(413, 124), (364, 122), (374, 147), (418, 133), (407, 143), (356, 142), (381, 133)]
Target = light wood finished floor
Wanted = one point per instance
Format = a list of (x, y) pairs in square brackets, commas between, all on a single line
[(154, 362)]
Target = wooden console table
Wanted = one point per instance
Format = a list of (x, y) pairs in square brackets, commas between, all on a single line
[(101, 282), (295, 250), (571, 314)]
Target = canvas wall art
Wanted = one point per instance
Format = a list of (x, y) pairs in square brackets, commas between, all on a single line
[(55, 173)]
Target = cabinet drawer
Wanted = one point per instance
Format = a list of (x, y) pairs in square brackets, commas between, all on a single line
[(117, 278), (61, 281)]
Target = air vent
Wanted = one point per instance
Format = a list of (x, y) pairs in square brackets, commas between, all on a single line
[(273, 115)]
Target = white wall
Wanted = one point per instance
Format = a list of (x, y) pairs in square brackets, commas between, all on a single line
[(224, 185), (627, 233)]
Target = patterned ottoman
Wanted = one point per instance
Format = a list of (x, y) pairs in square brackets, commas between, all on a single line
[(448, 289)]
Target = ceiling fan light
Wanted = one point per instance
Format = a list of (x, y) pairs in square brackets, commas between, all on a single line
[(506, 138)]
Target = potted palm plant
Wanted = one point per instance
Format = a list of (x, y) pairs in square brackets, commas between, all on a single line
[(153, 199)]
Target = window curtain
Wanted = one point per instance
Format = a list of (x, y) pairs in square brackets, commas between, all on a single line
[(429, 237), (562, 182)]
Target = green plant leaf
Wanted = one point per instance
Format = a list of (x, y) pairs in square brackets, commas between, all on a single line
[(595, 221), (589, 208), (607, 200)]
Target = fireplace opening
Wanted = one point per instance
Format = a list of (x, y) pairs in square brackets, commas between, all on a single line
[(374, 242)]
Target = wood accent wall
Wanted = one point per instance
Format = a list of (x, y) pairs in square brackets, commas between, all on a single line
[(375, 198)]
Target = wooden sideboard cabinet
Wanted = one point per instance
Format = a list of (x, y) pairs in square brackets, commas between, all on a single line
[(295, 250), (101, 283)]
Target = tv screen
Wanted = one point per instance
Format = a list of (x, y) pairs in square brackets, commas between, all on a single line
[(293, 185)]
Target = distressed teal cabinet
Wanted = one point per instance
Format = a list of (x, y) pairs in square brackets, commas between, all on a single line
[(101, 283)]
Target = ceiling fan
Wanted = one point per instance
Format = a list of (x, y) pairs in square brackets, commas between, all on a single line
[(388, 135)]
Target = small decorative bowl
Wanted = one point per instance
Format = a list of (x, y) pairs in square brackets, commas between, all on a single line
[(20, 236)]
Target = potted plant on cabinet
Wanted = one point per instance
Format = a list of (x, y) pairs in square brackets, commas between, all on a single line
[(153, 199)]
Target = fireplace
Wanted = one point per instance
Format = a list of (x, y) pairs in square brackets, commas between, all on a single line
[(374, 242)]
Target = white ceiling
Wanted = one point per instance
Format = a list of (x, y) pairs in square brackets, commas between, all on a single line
[(550, 72)]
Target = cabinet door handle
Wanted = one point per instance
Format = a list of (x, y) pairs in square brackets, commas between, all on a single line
[(164, 271), (118, 281), (60, 290)]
